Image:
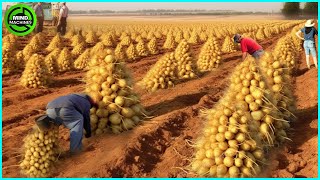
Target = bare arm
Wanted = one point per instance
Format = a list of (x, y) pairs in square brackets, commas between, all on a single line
[(244, 55), (298, 35)]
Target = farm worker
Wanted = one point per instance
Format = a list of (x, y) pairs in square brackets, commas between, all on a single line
[(72, 111), (309, 43), (248, 45), (40, 17), (62, 21)]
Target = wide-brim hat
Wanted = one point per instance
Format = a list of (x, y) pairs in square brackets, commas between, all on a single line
[(309, 23)]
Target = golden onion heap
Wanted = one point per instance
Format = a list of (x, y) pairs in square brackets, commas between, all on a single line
[(82, 61), (194, 39), (125, 40), (64, 61), (170, 43), (225, 149), (277, 79), (219, 34), (150, 35), (8, 58), (78, 50), (296, 41), (161, 75), (142, 50), (184, 60), (56, 42), (99, 33), (158, 34), (228, 45), (91, 37), (51, 61), (113, 36), (178, 36), (110, 84), (267, 32), (152, 46), (77, 39), (285, 52), (138, 39), (209, 57), (11, 39), (134, 35), (28, 51), (144, 34), (107, 40), (203, 37), (186, 34), (35, 42), (19, 61), (40, 152), (252, 88), (240, 129), (120, 53), (260, 35), (131, 53), (35, 74), (98, 48)]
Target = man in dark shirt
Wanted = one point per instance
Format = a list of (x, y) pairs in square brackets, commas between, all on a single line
[(73, 111), (40, 17)]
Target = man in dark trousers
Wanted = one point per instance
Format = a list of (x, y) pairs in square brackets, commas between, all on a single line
[(248, 46), (40, 17), (72, 111), (62, 21)]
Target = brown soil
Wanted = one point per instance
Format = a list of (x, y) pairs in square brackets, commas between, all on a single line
[(157, 148)]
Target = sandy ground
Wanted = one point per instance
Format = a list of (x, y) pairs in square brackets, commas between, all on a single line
[(158, 147)]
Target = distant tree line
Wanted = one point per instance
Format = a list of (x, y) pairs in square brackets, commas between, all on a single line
[(291, 9), (90, 11)]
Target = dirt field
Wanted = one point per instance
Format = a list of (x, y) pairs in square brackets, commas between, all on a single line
[(158, 148)]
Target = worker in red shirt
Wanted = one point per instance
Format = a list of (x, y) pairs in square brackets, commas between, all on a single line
[(248, 45)]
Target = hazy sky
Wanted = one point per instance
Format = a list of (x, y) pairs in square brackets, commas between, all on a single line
[(246, 6)]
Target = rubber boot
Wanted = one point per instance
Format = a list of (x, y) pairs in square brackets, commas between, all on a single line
[(308, 61), (315, 61)]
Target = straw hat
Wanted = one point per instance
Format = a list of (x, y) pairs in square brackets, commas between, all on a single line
[(309, 23)]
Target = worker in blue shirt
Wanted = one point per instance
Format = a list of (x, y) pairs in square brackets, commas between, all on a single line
[(72, 111), (309, 31)]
